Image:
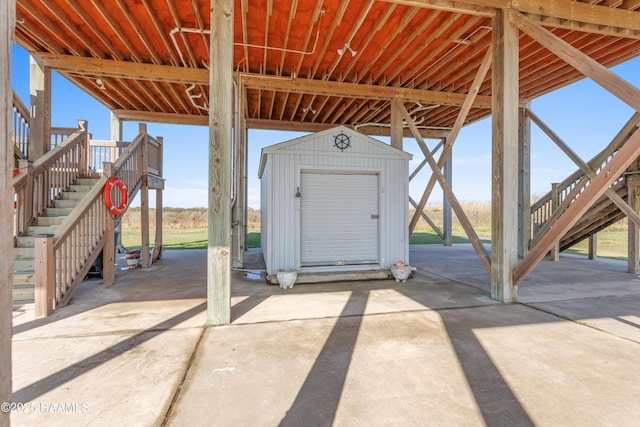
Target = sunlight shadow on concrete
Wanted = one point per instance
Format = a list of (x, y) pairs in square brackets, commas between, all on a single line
[(497, 403), (53, 381), (317, 401)]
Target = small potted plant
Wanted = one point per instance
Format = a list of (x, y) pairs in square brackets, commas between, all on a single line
[(133, 258), (400, 271)]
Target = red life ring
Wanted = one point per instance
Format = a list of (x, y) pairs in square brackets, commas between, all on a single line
[(113, 181)]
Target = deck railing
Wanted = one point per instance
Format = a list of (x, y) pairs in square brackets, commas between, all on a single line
[(63, 260), (40, 183), (66, 257), (574, 185), (104, 151), (20, 124)]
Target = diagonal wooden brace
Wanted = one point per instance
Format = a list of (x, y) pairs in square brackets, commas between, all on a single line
[(455, 205), (584, 167), (598, 186), (462, 116)]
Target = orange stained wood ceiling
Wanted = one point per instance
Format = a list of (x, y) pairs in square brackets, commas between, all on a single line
[(373, 43)]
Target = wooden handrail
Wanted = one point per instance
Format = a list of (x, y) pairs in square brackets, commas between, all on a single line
[(41, 182), (542, 210), (20, 126), (20, 107)]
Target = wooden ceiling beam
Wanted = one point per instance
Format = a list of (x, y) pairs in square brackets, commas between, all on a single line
[(318, 127), (122, 69), (354, 90), (468, 7), (571, 15), (155, 117)]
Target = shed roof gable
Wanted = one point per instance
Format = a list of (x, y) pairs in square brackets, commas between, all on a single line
[(324, 143)]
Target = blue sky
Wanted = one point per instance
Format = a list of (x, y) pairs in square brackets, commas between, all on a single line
[(584, 115)]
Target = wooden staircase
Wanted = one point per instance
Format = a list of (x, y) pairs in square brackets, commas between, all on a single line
[(24, 251), (603, 213), (61, 223)]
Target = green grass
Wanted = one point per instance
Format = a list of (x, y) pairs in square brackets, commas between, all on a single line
[(180, 238), (424, 238), (612, 243)]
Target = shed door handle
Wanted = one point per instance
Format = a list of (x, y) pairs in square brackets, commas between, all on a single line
[(375, 216)]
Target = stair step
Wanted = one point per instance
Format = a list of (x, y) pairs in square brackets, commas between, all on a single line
[(80, 188), (36, 230), (25, 265), (26, 242), (65, 204), (23, 252), (23, 303), (58, 211), (23, 293), (24, 277), (50, 220), (72, 195), (87, 181)]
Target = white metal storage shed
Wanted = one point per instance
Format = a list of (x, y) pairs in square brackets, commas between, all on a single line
[(336, 200)]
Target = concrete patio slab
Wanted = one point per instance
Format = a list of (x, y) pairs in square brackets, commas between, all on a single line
[(493, 365), (433, 351)]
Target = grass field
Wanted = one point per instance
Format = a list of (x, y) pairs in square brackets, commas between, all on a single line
[(186, 229), (176, 238)]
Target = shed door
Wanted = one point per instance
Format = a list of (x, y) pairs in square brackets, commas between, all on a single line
[(338, 218)]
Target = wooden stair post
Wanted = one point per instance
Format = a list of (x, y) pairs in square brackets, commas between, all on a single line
[(45, 276), (554, 253), (108, 251), (633, 241)]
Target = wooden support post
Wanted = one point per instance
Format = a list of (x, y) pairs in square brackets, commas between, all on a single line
[(554, 253), (109, 253), (116, 128), (116, 135), (245, 218), (85, 148), (524, 182), (158, 237), (26, 210), (238, 231), (45, 288), (7, 22), (40, 124), (220, 131), (397, 130), (447, 218), (144, 221), (144, 201), (504, 191), (633, 243), (593, 247)]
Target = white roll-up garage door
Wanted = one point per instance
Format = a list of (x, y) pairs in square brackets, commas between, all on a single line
[(338, 218)]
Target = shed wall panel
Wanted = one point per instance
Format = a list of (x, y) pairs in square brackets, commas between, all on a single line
[(283, 167)]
